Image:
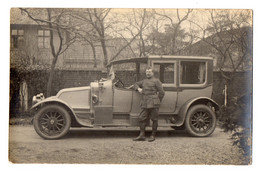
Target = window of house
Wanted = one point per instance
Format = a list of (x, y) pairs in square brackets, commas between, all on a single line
[(165, 72), (192, 72), (16, 38), (44, 39)]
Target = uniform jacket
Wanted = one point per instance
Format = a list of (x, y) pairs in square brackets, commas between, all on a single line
[(152, 93)]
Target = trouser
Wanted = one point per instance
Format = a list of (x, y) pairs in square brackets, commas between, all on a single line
[(147, 114)]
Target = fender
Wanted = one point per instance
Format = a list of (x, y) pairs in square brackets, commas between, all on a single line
[(54, 99), (199, 100)]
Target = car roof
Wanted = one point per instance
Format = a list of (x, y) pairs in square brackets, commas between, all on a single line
[(128, 60), (145, 59)]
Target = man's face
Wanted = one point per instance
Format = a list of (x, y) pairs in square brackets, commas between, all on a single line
[(149, 73)]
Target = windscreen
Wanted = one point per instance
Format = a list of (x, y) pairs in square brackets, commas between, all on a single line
[(127, 72)]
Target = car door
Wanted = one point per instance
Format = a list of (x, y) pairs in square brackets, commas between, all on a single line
[(165, 70), (193, 80)]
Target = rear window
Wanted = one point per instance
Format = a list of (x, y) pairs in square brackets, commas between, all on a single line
[(192, 72)]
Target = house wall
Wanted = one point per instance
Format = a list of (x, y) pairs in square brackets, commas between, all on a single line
[(29, 49), (77, 56)]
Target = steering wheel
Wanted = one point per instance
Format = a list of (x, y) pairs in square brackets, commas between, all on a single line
[(118, 81), (130, 87)]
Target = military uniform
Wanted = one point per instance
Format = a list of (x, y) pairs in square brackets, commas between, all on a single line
[(152, 95)]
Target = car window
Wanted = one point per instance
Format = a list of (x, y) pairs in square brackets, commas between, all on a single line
[(165, 72), (143, 67), (192, 72)]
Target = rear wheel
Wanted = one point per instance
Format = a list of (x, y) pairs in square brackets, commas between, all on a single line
[(200, 121), (52, 122)]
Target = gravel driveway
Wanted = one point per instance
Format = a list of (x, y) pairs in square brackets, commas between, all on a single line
[(115, 146)]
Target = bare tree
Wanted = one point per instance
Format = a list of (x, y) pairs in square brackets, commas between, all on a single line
[(229, 34), (88, 37), (54, 21), (96, 18), (174, 23), (139, 22), (122, 29), (133, 25)]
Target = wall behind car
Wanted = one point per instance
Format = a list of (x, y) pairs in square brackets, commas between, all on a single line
[(37, 83)]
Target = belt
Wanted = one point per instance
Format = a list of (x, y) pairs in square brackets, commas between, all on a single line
[(150, 94)]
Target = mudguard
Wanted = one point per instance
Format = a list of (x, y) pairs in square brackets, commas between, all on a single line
[(54, 99), (199, 100)]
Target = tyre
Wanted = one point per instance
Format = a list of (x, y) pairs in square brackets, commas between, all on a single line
[(200, 121), (52, 122)]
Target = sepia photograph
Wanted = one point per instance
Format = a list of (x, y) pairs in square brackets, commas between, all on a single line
[(133, 86)]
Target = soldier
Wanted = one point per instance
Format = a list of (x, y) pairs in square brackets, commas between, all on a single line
[(152, 95)]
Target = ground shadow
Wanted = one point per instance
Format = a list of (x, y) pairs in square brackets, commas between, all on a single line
[(105, 133)]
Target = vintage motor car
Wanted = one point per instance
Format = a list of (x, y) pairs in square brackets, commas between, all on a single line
[(112, 102)]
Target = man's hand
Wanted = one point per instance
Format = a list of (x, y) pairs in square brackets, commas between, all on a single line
[(139, 90)]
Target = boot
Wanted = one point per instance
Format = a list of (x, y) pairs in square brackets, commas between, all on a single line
[(141, 136), (154, 130), (152, 137)]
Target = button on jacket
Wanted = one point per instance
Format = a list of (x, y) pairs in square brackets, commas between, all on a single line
[(152, 93)]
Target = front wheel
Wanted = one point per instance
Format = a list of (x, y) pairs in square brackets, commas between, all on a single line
[(52, 122), (200, 121)]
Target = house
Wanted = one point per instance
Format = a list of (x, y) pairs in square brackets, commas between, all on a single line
[(31, 57), (237, 41), (30, 53)]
